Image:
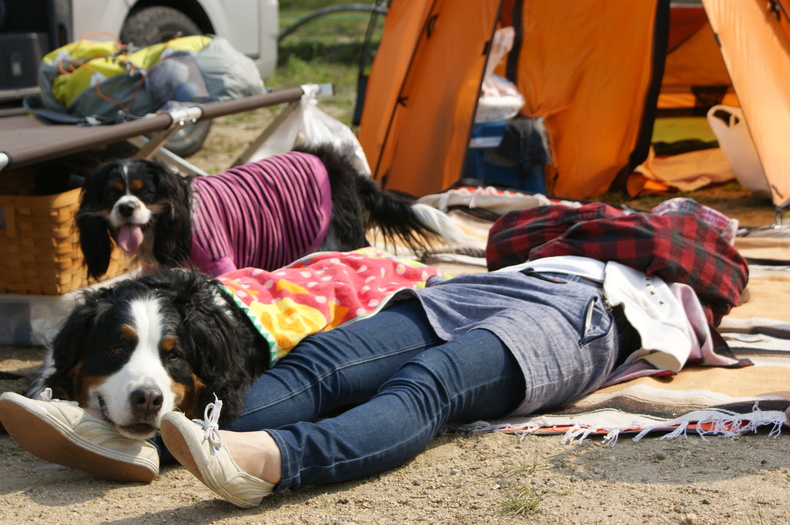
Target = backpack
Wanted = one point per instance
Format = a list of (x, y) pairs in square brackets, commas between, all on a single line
[(92, 82)]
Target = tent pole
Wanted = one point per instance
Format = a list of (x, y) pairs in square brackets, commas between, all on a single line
[(779, 218)]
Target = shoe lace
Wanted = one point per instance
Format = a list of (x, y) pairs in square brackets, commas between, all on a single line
[(210, 422), (46, 395)]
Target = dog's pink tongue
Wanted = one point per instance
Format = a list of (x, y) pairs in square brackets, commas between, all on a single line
[(130, 237)]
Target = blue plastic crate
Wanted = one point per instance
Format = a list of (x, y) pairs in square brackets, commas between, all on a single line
[(482, 163)]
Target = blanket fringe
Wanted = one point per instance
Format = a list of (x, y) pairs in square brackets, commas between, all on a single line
[(610, 439), (731, 425), (721, 423), (485, 426), (577, 434)]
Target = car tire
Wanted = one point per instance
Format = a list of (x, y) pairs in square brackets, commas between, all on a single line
[(152, 25), (189, 139)]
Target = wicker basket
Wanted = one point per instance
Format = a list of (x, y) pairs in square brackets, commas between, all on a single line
[(39, 245)]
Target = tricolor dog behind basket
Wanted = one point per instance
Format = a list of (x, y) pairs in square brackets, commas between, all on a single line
[(264, 214)]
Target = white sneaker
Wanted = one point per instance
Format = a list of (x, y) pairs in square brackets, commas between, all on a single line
[(63, 433), (198, 447)]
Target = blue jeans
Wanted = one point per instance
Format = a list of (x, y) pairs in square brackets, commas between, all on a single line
[(403, 385)]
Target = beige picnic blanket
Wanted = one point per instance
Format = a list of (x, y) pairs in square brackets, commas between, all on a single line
[(701, 399), (707, 400)]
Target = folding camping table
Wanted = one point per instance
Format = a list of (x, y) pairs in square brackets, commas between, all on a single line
[(26, 140)]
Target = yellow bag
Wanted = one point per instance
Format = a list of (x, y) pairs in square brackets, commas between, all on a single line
[(93, 82)]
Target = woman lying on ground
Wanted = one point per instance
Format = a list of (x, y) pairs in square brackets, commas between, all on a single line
[(475, 347)]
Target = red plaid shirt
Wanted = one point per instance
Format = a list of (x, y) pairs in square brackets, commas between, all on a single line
[(677, 247)]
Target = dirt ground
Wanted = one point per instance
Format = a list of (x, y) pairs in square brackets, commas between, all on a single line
[(462, 478)]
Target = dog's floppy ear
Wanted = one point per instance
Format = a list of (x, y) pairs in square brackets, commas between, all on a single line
[(227, 360), (70, 339), (173, 239), (96, 244), (95, 239)]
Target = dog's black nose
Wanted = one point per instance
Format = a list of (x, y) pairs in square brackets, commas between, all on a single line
[(126, 210), (147, 399)]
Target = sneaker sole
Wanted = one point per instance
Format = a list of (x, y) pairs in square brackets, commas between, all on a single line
[(59, 449), (185, 450)]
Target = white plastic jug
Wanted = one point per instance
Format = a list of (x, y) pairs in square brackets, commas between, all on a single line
[(738, 147)]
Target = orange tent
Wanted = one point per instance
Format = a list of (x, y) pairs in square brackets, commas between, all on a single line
[(422, 91), (755, 42), (695, 76), (596, 72)]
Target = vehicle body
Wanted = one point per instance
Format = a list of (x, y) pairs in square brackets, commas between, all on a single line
[(251, 26), (29, 29)]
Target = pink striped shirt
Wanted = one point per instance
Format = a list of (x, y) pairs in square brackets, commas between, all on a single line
[(264, 215)]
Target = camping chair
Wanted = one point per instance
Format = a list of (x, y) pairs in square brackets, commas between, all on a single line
[(26, 140)]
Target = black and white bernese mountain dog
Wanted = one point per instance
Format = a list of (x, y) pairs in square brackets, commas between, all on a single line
[(162, 341), (263, 215)]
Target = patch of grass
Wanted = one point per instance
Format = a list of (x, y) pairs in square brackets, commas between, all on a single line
[(242, 118), (526, 468), (339, 55), (297, 71), (327, 49), (523, 502), (530, 468)]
